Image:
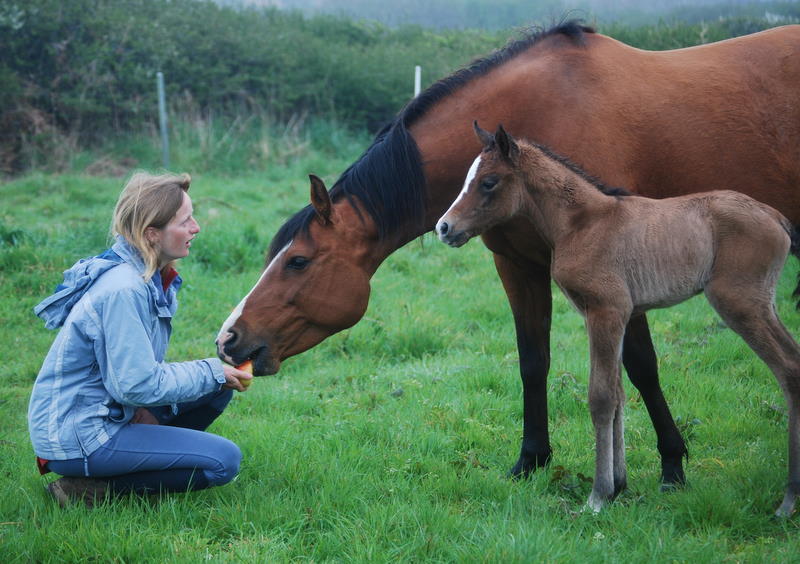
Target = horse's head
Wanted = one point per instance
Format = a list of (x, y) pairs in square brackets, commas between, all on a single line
[(314, 286), (491, 191)]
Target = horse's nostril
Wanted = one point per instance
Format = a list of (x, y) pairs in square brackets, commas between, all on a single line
[(233, 337), (443, 228)]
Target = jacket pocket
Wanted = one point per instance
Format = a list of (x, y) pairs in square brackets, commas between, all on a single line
[(69, 433), (88, 421)]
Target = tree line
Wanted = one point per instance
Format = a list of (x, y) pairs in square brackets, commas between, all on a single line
[(83, 71)]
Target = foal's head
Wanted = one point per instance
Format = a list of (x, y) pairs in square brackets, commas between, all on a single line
[(493, 191)]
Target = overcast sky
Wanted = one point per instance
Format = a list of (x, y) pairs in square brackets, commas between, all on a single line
[(511, 13)]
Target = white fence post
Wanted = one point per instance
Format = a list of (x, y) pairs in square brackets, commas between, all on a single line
[(162, 119), (417, 80)]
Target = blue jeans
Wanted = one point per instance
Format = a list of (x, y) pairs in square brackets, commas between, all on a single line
[(175, 456)]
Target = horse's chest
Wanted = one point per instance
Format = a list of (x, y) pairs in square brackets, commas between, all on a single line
[(519, 243)]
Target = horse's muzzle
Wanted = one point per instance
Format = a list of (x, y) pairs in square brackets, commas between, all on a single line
[(234, 351), (447, 234)]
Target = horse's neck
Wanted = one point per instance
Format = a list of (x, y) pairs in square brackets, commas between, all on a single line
[(558, 199), (445, 136), (362, 240)]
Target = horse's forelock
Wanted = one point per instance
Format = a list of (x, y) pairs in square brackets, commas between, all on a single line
[(298, 223)]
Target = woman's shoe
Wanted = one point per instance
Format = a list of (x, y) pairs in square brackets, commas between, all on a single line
[(68, 491)]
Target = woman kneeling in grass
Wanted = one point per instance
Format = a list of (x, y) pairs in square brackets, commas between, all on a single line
[(106, 412)]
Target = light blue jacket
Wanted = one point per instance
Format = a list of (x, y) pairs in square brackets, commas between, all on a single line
[(108, 357)]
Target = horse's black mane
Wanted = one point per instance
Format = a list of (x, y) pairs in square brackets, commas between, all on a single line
[(572, 29), (604, 188), (388, 179)]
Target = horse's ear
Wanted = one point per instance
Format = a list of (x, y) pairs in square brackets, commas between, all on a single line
[(507, 145), (320, 199), (486, 138)]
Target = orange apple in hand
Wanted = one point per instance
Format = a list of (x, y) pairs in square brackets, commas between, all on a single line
[(246, 366)]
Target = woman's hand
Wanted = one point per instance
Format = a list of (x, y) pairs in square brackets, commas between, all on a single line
[(236, 379), (143, 416)]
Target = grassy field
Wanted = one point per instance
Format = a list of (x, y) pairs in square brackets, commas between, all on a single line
[(390, 441)]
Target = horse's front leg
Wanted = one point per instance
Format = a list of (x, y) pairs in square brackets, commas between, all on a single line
[(639, 358), (606, 329), (529, 295)]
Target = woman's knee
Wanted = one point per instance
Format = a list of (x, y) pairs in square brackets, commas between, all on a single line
[(228, 458)]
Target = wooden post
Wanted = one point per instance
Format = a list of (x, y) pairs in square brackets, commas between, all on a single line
[(417, 80)]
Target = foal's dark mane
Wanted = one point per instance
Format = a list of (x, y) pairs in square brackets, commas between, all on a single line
[(566, 163), (388, 179)]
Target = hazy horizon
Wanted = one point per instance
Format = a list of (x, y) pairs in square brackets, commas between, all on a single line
[(494, 14)]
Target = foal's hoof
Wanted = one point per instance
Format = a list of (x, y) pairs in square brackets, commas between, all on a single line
[(786, 509), (594, 504)]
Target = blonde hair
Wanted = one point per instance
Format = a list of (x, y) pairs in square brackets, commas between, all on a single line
[(148, 200)]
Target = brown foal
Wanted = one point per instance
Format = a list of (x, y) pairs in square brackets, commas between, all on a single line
[(615, 255)]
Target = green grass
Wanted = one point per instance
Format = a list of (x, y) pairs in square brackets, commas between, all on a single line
[(390, 441)]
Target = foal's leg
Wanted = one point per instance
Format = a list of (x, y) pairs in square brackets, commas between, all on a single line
[(793, 487), (752, 315), (620, 468), (606, 328), (639, 359), (530, 297)]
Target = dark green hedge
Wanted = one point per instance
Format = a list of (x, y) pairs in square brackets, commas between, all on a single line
[(89, 65)]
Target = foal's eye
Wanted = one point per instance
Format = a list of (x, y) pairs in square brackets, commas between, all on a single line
[(488, 183), (297, 263)]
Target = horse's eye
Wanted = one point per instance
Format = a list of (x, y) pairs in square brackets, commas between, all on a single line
[(488, 183), (297, 263)]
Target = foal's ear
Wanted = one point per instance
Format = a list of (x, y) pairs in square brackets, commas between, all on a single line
[(320, 199), (484, 136), (506, 144)]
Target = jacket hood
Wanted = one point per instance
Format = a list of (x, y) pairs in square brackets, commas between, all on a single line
[(77, 280)]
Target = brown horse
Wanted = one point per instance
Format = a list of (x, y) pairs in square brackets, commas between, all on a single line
[(656, 122), (618, 256)]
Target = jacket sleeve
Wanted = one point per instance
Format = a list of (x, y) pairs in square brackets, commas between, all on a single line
[(127, 361)]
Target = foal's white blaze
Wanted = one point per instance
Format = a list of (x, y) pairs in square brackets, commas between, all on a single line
[(473, 170), (224, 334), (471, 173)]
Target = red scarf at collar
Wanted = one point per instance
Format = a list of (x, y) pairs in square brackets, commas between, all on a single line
[(167, 278)]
